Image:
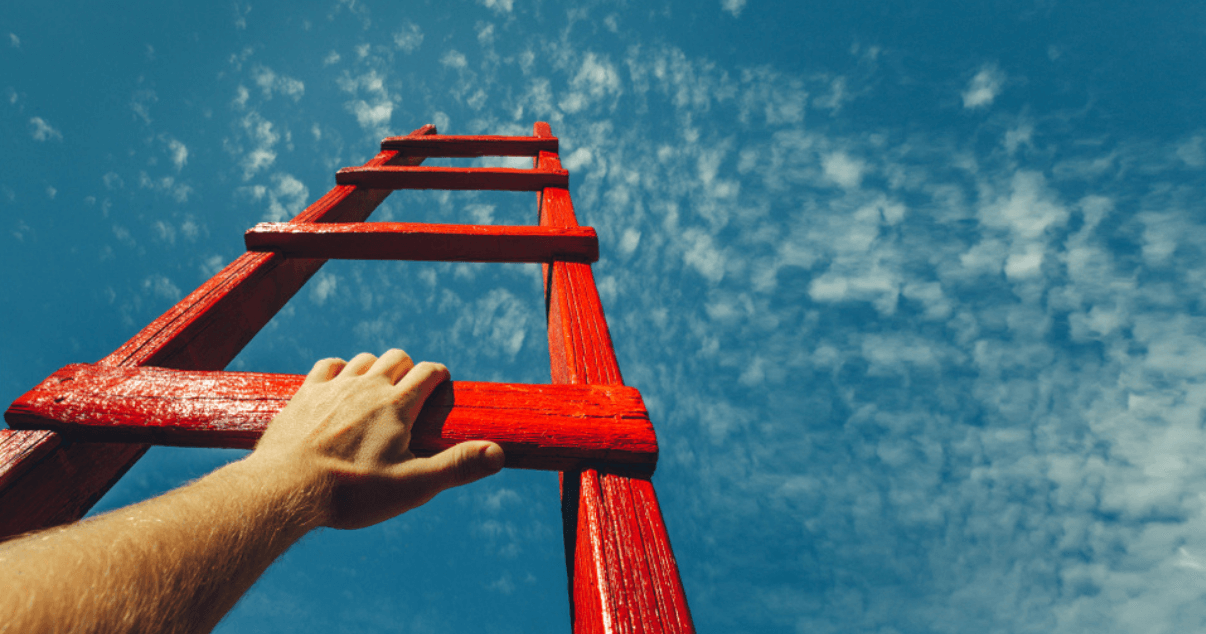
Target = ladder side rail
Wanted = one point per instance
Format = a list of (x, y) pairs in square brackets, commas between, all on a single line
[(60, 480), (623, 574)]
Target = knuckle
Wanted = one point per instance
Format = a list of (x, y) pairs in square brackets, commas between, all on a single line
[(431, 368)]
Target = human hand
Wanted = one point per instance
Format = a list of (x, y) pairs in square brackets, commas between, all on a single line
[(344, 441)]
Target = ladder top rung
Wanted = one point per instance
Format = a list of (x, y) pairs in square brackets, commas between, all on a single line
[(452, 178), (425, 242), (469, 146)]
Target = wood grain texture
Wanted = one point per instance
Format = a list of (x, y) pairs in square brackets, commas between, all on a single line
[(416, 241), (452, 178), (469, 146), (19, 450), (623, 575), (204, 331), (550, 427), (62, 484)]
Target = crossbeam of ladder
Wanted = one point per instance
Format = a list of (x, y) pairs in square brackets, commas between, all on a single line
[(452, 178), (420, 241), (550, 427)]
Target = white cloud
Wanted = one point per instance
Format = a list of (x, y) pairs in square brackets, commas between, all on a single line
[(409, 37), (595, 79), (733, 6), (1028, 208), (166, 185), (374, 108), (179, 153), (257, 160), (836, 97), (140, 103), (1024, 264), (371, 116), (843, 170), (263, 136), (580, 157), (485, 34), (629, 242), (270, 82), (322, 286), (164, 231), (499, 498), (14, 41), (286, 198), (241, 97), (454, 59), (984, 87), (212, 265), (498, 6), (1193, 151), (331, 59), (162, 287), (1018, 136), (43, 131), (703, 255)]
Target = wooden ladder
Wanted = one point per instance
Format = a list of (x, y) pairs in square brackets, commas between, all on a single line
[(78, 431)]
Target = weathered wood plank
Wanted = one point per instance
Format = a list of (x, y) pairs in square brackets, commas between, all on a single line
[(19, 450), (452, 178), (623, 575), (62, 483), (550, 427), (451, 146), (204, 331), (417, 241)]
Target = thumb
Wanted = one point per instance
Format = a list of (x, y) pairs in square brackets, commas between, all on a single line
[(455, 466)]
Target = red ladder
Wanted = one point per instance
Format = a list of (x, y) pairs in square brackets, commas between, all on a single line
[(79, 431)]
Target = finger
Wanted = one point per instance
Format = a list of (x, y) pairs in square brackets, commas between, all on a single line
[(325, 370), (464, 463), (419, 383), (359, 364), (394, 364)]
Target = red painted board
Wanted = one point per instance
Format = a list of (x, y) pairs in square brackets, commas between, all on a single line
[(469, 146), (204, 331), (63, 483), (623, 575), (549, 427), (19, 450), (416, 241), (452, 178)]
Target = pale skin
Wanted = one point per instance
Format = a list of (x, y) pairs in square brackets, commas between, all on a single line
[(336, 456)]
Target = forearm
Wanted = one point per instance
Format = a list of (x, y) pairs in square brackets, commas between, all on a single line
[(176, 563), (338, 455)]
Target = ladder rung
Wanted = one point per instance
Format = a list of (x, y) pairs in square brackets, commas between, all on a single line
[(417, 241), (418, 177), (467, 146), (551, 427)]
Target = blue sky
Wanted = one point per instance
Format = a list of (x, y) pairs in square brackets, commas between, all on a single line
[(913, 290)]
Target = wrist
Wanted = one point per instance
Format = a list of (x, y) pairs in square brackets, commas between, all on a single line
[(295, 497)]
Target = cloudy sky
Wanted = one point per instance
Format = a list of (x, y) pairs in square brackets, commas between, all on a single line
[(913, 290)]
